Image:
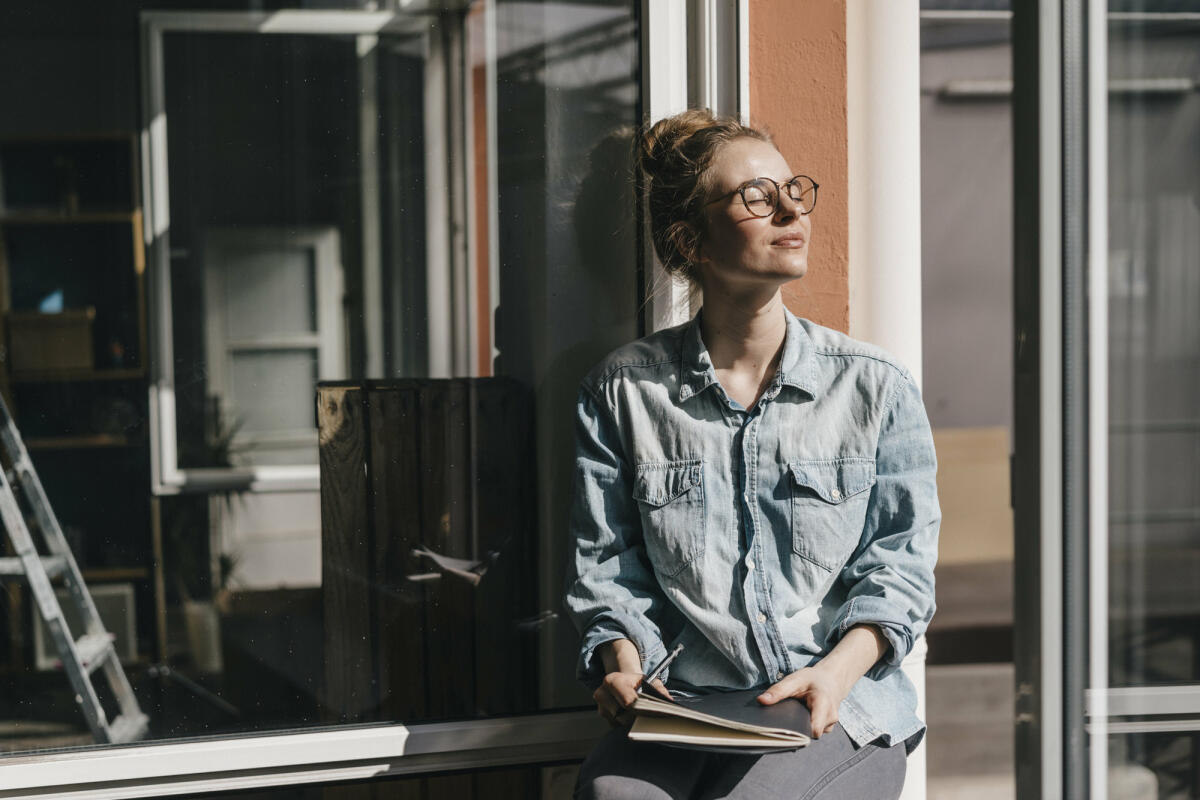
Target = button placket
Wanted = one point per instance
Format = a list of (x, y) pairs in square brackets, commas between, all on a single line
[(758, 578), (748, 522)]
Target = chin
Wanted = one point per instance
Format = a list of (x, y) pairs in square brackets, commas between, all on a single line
[(794, 270)]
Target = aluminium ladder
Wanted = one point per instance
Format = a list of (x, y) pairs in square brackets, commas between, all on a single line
[(94, 649)]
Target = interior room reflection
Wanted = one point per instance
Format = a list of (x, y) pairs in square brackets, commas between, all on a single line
[(259, 213)]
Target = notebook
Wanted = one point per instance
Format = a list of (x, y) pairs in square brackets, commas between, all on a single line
[(724, 721)]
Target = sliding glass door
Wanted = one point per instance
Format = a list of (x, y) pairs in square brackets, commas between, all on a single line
[(1107, 373), (1153, 394)]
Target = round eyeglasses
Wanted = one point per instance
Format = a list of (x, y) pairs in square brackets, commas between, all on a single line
[(761, 195)]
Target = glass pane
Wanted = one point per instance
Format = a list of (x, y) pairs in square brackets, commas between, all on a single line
[(1154, 376), (271, 390), (1154, 340), (437, 215), (966, 314), (1152, 764), (266, 190), (269, 292)]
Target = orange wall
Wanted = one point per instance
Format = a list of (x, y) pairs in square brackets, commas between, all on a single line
[(798, 93)]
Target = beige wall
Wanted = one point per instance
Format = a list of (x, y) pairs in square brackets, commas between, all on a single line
[(973, 488), (798, 93)]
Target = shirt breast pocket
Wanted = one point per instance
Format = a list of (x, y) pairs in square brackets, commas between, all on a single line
[(829, 508), (670, 496)]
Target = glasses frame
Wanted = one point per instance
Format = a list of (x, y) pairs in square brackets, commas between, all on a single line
[(741, 190)]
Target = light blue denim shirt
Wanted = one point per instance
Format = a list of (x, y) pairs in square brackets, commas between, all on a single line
[(756, 538)]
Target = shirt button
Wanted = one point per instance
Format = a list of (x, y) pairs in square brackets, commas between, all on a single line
[(835, 494), (749, 563), (762, 617), (778, 676)]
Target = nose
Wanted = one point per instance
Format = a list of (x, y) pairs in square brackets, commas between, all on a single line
[(786, 209)]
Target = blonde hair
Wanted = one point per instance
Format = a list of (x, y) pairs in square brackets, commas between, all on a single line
[(673, 158)]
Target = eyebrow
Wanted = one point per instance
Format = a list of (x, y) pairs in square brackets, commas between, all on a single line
[(780, 181)]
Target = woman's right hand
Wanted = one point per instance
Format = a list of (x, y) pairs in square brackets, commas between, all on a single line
[(620, 685)]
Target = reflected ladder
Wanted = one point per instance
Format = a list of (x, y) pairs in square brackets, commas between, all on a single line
[(92, 651)]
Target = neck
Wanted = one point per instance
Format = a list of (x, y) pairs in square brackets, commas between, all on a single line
[(743, 332)]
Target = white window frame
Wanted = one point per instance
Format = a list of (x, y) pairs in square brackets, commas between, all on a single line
[(357, 752), (694, 53), (325, 340), (166, 474), (290, 759)]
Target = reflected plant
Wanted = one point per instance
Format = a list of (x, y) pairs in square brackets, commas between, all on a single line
[(186, 519)]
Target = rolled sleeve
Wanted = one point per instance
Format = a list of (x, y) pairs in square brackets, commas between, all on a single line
[(610, 626), (890, 578), (611, 590)]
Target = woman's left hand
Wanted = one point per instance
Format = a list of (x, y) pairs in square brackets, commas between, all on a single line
[(822, 690), (825, 685)]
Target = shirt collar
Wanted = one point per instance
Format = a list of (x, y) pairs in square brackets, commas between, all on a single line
[(796, 367)]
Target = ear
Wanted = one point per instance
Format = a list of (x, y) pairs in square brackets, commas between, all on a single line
[(685, 239)]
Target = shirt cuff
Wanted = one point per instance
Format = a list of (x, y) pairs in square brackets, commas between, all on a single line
[(613, 625), (890, 620)]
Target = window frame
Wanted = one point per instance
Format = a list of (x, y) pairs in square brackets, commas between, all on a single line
[(1060, 464), (167, 477), (296, 758), (324, 340)]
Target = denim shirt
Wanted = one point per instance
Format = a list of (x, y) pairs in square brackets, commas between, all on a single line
[(756, 538)]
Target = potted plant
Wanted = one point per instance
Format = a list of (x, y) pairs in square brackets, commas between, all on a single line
[(199, 570)]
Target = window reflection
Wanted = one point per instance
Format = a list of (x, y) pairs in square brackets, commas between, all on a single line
[(441, 205)]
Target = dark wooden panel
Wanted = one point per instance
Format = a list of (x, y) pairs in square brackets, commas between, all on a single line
[(505, 668), (520, 782), (393, 789), (345, 556), (459, 787), (400, 601), (450, 622), (353, 792), (446, 465)]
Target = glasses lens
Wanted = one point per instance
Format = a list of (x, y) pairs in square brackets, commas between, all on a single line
[(803, 192), (759, 196)]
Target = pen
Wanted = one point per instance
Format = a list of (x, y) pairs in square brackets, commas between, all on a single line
[(654, 673)]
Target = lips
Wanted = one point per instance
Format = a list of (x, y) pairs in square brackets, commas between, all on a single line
[(791, 240)]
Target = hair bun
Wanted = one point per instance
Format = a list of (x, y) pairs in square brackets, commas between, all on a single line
[(673, 157), (665, 140)]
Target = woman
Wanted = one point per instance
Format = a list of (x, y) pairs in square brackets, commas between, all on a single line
[(756, 487)]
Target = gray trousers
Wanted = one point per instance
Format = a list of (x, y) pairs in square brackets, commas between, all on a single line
[(830, 767)]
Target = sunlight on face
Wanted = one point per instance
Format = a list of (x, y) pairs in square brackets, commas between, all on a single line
[(738, 248)]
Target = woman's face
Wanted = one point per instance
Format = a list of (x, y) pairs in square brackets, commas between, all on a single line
[(738, 247)]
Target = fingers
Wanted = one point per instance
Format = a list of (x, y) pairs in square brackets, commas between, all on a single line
[(794, 685), (606, 706), (622, 686), (823, 715), (611, 710), (820, 697), (613, 695), (658, 686)]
